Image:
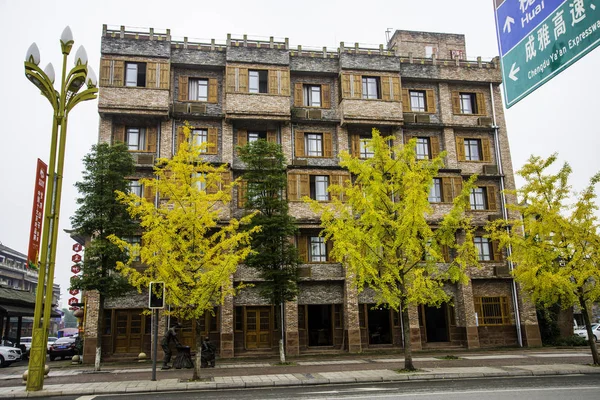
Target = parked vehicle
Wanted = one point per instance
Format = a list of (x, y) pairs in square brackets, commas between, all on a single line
[(582, 331), (63, 347), (51, 339), (8, 355)]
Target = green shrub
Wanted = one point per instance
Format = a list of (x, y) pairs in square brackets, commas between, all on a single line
[(573, 340)]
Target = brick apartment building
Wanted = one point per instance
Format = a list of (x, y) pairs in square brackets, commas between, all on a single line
[(317, 103)]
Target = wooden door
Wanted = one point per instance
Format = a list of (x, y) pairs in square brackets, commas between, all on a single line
[(128, 327), (258, 328)]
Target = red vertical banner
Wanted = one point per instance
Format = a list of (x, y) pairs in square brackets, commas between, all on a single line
[(37, 214)]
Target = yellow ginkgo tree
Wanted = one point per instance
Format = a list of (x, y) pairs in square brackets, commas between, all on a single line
[(384, 234), (555, 243), (188, 240)]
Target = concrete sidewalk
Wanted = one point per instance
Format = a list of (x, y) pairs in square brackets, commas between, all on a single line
[(245, 375)]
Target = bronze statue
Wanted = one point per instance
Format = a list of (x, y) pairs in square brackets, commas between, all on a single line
[(209, 351), (170, 336)]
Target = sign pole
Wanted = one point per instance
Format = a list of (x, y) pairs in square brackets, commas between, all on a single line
[(156, 301), (154, 343)]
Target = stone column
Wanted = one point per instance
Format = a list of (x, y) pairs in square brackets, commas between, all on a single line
[(415, 329), (227, 321), (292, 342), (351, 320), (227, 146), (90, 326), (530, 330), (467, 317)]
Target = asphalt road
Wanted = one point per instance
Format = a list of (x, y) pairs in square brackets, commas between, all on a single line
[(531, 388)]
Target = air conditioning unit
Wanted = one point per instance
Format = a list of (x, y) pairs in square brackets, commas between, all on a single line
[(299, 113), (502, 271), (409, 118), (182, 108), (144, 159), (305, 272), (299, 162), (422, 118), (484, 121), (197, 108), (314, 114), (490, 169)]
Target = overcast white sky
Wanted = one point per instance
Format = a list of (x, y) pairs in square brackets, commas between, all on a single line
[(559, 117)]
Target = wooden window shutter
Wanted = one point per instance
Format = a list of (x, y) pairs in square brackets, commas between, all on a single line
[(346, 86), (118, 73), (164, 75), (405, 101), (434, 143), (119, 133), (396, 88), (292, 194), (149, 194), (354, 145), (213, 86), (105, 72), (243, 80), (329, 247), (497, 253), (299, 143), (183, 88), (456, 102), (230, 79), (272, 136), (180, 137), (242, 193), (485, 147), (386, 91), (298, 94), (304, 186), (151, 75), (303, 248), (447, 190), (242, 137), (480, 100), (460, 149), (407, 138), (284, 82), (445, 252), (327, 144), (357, 87), (152, 134), (274, 81), (430, 101), (456, 186), (326, 95), (491, 197), (213, 141)]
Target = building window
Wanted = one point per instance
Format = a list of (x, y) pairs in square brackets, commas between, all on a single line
[(258, 81), (312, 95), (370, 87), (492, 310), (478, 198), (365, 151), (256, 135), (317, 250), (423, 152), (134, 240), (473, 150), (417, 100), (313, 143), (200, 138), (135, 74), (199, 181), (468, 103), (435, 192), (136, 139), (135, 187), (198, 89), (318, 187), (484, 248)]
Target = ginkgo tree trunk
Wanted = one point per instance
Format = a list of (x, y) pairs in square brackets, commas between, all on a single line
[(382, 231), (555, 244), (188, 239)]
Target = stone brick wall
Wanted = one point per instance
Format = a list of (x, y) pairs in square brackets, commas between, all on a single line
[(258, 56), (373, 62), (313, 64), (375, 112), (260, 106), (405, 42), (135, 47), (209, 58), (143, 100), (212, 109), (321, 293)]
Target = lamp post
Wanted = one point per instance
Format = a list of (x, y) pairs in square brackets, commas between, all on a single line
[(62, 102)]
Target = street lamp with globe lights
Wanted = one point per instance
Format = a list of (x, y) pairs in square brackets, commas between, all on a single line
[(62, 102)]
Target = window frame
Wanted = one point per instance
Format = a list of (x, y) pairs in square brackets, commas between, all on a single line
[(321, 255), (422, 96), (364, 152), (308, 91), (481, 243), (316, 183), (258, 81), (253, 136), (423, 143), (367, 82), (202, 134), (470, 99), (140, 74), (436, 187), (469, 145), (197, 83), (478, 193), (135, 187), (316, 139), (141, 140)]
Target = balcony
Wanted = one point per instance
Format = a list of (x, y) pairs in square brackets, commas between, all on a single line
[(251, 105), (127, 100), (359, 111)]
